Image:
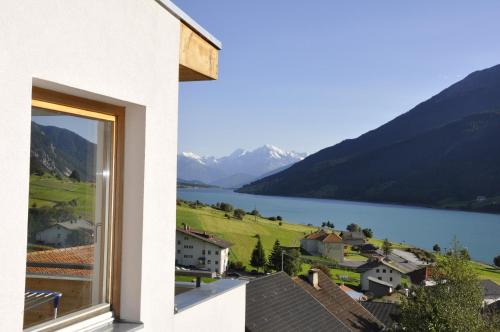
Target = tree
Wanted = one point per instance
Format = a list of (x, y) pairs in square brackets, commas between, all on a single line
[(255, 212), (279, 218), (75, 175), (258, 258), (226, 207), (239, 213), (496, 261), (436, 248), (386, 247), (453, 304), (274, 260), (292, 262), (352, 227), (328, 224), (368, 232)]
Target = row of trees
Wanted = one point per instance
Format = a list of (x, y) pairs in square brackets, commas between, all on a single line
[(290, 259)]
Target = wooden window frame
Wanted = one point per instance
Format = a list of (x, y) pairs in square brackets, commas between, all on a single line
[(68, 104)]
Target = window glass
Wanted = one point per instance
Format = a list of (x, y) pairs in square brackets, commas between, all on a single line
[(69, 214)]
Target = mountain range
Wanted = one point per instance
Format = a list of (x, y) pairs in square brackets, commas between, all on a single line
[(238, 168), (60, 151), (445, 151)]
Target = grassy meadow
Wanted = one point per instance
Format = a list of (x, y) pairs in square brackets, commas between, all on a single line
[(47, 191), (242, 234)]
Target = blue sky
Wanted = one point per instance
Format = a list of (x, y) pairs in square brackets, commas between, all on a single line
[(304, 75)]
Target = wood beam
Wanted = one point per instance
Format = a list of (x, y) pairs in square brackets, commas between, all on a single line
[(198, 59)]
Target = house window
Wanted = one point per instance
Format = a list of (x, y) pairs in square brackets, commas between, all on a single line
[(203, 252), (216, 252), (379, 278), (76, 148), (209, 262), (178, 241), (378, 270), (390, 271), (383, 270), (209, 252), (390, 278), (216, 262), (178, 251)]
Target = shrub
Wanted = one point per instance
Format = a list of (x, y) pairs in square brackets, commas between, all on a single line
[(368, 232), (237, 266), (272, 218), (496, 261), (239, 214), (353, 227), (280, 223), (279, 218)]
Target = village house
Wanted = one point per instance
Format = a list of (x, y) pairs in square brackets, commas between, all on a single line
[(201, 250), (67, 233), (353, 238), (381, 270), (325, 244)]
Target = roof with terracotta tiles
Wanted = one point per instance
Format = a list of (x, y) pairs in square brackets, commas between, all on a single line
[(73, 261), (324, 237), (339, 304)]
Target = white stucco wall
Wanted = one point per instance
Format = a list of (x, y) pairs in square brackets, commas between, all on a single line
[(395, 275), (225, 312), (119, 51)]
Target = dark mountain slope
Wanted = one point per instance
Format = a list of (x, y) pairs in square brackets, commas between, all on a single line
[(325, 173), (61, 151)]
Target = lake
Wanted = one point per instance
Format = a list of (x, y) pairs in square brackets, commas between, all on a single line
[(422, 227)]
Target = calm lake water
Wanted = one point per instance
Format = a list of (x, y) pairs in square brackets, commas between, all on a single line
[(422, 227)]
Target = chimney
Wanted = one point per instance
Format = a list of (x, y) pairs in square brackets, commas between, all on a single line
[(313, 278)]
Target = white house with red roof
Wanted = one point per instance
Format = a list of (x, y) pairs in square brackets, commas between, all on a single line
[(201, 250), (324, 244)]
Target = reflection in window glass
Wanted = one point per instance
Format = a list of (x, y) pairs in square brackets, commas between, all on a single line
[(69, 213)]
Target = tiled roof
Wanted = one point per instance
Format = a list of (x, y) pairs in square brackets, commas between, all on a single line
[(332, 238), (204, 236), (319, 235), (385, 312), (275, 303), (74, 261), (490, 289), (341, 305), (324, 237)]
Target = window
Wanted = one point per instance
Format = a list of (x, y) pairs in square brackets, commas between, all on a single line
[(76, 151), (178, 241), (203, 252), (186, 238), (390, 271), (209, 252), (216, 252), (379, 278), (209, 262), (383, 271), (178, 251), (378, 270), (216, 262), (390, 278)]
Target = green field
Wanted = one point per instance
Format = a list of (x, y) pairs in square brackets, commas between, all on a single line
[(47, 191), (242, 233)]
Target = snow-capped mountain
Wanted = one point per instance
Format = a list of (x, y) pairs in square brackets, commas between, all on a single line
[(238, 168)]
